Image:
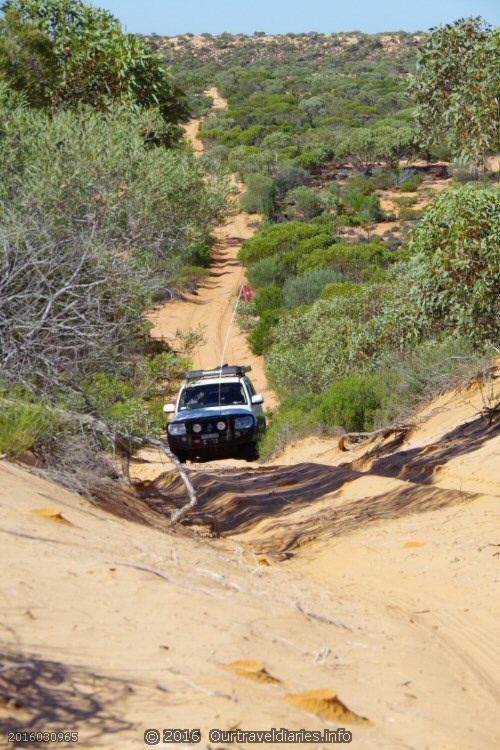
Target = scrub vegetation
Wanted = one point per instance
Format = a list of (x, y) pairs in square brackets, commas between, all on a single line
[(336, 138), (373, 288), (103, 213)]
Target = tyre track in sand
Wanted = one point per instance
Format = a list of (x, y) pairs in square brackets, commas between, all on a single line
[(210, 307)]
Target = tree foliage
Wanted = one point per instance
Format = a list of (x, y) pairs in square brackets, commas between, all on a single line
[(67, 52), (457, 89), (94, 223), (456, 261)]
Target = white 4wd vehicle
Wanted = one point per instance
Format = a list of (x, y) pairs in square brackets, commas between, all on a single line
[(217, 414)]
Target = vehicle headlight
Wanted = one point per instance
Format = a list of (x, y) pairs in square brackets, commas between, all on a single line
[(197, 427), (221, 426), (178, 428), (243, 423)]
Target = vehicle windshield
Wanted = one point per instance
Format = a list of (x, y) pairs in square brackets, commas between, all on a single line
[(201, 396)]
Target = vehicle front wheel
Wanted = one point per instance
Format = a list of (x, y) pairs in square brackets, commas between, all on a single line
[(181, 456), (250, 453)]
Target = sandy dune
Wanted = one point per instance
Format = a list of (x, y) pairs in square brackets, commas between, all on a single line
[(370, 575)]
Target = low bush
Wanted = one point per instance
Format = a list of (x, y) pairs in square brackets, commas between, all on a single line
[(412, 184), (365, 204), (261, 337), (383, 180), (24, 424), (410, 214), (268, 298), (401, 383), (306, 202), (189, 277), (277, 238), (405, 201), (294, 419), (349, 259), (259, 197), (359, 184), (432, 367), (290, 175), (330, 339), (353, 402), (341, 289), (267, 272), (306, 288)]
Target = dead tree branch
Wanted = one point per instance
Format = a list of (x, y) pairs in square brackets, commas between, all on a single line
[(124, 443), (361, 437), (115, 436)]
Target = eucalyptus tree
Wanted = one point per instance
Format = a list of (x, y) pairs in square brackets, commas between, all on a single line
[(457, 89)]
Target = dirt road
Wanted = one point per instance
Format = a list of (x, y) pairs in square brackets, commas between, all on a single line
[(211, 308)]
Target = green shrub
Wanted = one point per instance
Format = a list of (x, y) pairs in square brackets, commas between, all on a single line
[(360, 185), (294, 419), (383, 180), (267, 272), (190, 277), (245, 160), (329, 200), (277, 238), (305, 289), (349, 259), (372, 400), (24, 424), (410, 214), (341, 289), (268, 298), (353, 402), (405, 201), (290, 175), (366, 205), (309, 160), (412, 184), (259, 197), (261, 337), (432, 367), (455, 260), (307, 202), (291, 260), (332, 338)]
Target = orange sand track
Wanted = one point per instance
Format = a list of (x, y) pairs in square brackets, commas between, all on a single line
[(211, 308)]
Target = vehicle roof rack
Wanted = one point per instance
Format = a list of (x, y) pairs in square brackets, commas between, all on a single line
[(218, 372)]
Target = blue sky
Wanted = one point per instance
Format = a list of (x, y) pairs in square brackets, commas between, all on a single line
[(170, 17)]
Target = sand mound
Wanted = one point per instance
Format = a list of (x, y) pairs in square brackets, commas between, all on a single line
[(327, 705), (252, 670)]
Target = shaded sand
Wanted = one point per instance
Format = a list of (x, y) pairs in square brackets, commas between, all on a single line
[(352, 589), (211, 307)]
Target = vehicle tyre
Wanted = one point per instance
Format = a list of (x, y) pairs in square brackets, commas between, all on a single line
[(181, 456), (250, 453)]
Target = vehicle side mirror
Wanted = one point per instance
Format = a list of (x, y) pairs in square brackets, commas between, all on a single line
[(169, 409), (258, 398)]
